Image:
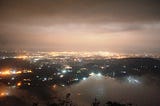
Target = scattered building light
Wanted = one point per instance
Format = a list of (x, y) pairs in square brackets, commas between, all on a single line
[(19, 84), (64, 71), (54, 86), (84, 78), (61, 76), (99, 74), (91, 74)]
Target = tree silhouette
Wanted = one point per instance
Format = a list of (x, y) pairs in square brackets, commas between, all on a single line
[(96, 102)]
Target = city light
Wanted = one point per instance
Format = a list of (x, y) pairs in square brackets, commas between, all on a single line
[(19, 84), (61, 76), (87, 54), (133, 80), (99, 74), (7, 72), (54, 86), (76, 79), (18, 72), (21, 57), (91, 74), (84, 78), (64, 71), (2, 94)]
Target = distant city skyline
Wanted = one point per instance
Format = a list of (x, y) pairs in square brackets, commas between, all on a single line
[(81, 25)]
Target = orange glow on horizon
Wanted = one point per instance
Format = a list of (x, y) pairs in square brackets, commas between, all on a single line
[(21, 57)]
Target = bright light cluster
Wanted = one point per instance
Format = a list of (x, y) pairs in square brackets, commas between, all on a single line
[(7, 72), (4, 93), (87, 54), (21, 57), (93, 74), (132, 80)]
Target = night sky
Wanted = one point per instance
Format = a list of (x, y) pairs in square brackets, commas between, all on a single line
[(81, 25)]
